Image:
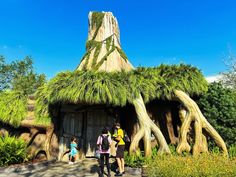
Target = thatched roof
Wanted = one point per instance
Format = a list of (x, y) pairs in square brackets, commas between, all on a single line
[(119, 88)]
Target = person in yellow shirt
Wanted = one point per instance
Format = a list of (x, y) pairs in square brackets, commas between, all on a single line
[(119, 135)]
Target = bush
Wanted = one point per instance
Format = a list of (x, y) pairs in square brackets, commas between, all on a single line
[(134, 161), (218, 105), (12, 150)]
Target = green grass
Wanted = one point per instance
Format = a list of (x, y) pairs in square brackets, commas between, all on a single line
[(207, 165)]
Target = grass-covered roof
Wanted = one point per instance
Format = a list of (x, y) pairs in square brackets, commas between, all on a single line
[(118, 88)]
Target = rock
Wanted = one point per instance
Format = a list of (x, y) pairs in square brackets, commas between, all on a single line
[(103, 49)]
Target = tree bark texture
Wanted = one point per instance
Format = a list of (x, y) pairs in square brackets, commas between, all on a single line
[(147, 126), (193, 114)]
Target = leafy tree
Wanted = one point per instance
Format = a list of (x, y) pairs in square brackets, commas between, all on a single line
[(5, 74), (219, 107), (229, 77), (20, 76)]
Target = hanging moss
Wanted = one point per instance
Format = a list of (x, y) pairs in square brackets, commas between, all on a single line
[(13, 107), (97, 18), (90, 44), (96, 53), (86, 58), (108, 42), (104, 58), (122, 53)]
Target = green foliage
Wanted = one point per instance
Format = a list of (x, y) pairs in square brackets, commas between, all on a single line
[(134, 161), (90, 87), (12, 107), (218, 105), (215, 150), (139, 159), (12, 150), (232, 151), (20, 76), (207, 165), (5, 75), (42, 106)]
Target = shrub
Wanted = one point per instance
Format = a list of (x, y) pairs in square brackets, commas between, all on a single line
[(134, 160), (218, 105), (12, 150)]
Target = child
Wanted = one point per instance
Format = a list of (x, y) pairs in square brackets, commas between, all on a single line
[(73, 150)]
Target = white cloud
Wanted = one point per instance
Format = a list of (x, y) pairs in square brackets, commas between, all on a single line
[(215, 78)]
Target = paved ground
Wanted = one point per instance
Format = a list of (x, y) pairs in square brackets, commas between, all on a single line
[(85, 168)]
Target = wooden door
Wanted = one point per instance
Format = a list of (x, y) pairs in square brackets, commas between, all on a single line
[(72, 126), (96, 121)]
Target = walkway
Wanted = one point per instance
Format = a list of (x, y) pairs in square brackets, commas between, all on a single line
[(85, 168)]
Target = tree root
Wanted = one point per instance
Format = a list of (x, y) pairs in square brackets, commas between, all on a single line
[(33, 133), (193, 114), (49, 134), (146, 127)]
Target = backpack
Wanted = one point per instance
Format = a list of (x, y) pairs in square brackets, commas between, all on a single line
[(126, 137), (105, 143)]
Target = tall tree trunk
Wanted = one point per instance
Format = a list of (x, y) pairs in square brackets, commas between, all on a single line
[(194, 114), (146, 127)]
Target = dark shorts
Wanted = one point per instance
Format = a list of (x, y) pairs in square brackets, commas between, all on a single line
[(120, 151)]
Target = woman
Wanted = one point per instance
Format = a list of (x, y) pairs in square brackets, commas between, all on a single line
[(104, 143)]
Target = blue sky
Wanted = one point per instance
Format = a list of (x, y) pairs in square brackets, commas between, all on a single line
[(54, 32)]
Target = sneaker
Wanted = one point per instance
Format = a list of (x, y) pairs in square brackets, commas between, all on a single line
[(70, 163), (118, 174)]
